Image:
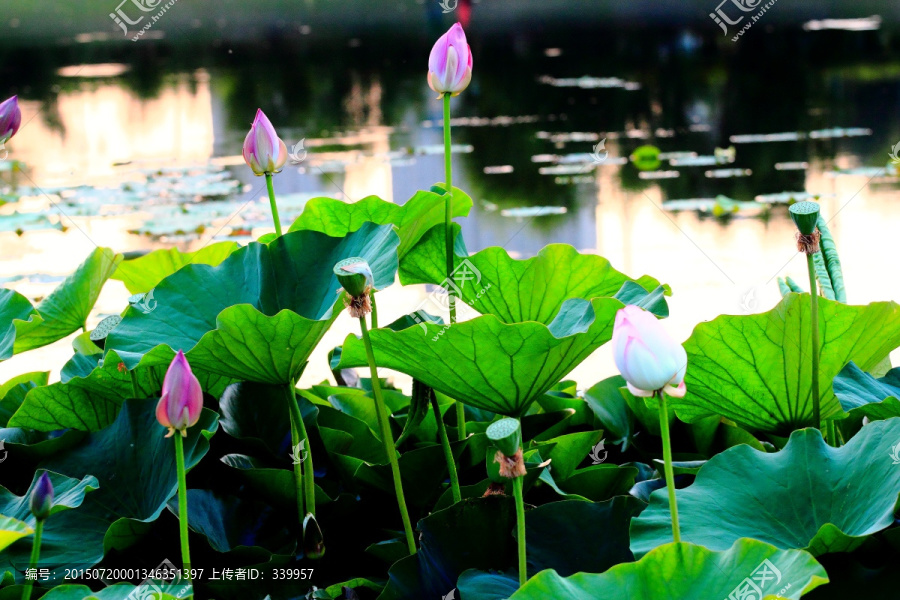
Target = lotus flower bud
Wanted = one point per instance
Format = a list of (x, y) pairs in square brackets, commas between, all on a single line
[(313, 540), (450, 63), (182, 397), (648, 358), (10, 119), (264, 152), (805, 216), (42, 497)]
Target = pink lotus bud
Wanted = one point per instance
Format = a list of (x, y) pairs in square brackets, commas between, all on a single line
[(42, 497), (264, 152), (10, 118), (648, 358), (450, 63), (182, 397)]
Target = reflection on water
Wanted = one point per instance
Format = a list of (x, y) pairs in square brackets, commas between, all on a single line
[(148, 156)]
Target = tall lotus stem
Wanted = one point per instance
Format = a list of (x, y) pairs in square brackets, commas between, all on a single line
[(179, 408), (506, 435), (805, 215), (304, 475), (445, 444), (667, 463), (41, 504), (271, 190), (356, 278)]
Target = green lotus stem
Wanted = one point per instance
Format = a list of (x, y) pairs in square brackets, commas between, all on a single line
[(182, 504), (667, 460), (388, 438), (832, 432), (134, 383), (448, 244), (304, 475), (518, 485), (374, 316), (814, 320), (273, 205), (35, 555), (448, 453)]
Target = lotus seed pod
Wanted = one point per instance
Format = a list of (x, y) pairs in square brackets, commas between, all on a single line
[(506, 435), (354, 275), (805, 215)]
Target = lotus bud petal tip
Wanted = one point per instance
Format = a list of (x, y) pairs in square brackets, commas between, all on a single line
[(646, 355), (182, 397), (450, 63), (42, 497), (264, 152), (10, 118)]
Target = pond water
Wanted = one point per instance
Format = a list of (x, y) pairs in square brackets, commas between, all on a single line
[(138, 149)]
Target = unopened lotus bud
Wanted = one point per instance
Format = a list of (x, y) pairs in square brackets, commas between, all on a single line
[(805, 216), (264, 152), (506, 435), (182, 397), (313, 540), (42, 497), (10, 119)]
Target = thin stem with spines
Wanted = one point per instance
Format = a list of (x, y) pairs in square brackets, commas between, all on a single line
[(448, 452), (272, 203), (182, 505), (667, 460)]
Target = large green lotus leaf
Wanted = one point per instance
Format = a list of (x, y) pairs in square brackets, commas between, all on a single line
[(489, 364), (60, 536), (259, 314), (862, 394), (12, 530), (572, 536), (134, 461), (420, 213), (13, 392), (91, 403), (142, 274), (807, 496), (14, 308), (685, 571), (515, 290), (67, 308), (472, 534), (755, 369)]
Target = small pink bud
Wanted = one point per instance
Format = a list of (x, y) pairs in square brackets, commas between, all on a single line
[(450, 63), (264, 152), (10, 118), (648, 358), (182, 397)]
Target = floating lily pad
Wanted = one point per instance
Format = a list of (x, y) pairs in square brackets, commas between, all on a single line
[(755, 369), (808, 496), (489, 364), (749, 569), (260, 313)]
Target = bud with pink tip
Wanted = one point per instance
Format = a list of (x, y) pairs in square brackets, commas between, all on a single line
[(450, 63), (264, 152), (182, 397), (10, 118)]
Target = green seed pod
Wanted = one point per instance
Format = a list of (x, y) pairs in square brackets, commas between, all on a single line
[(103, 329), (354, 275), (805, 215), (506, 435)]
